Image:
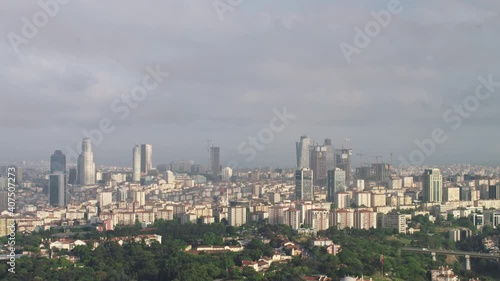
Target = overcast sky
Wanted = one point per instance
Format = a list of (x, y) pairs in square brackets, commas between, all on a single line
[(228, 74)]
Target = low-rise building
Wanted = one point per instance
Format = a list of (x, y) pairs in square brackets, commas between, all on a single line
[(443, 274)]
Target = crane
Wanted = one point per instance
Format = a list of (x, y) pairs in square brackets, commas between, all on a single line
[(377, 158)]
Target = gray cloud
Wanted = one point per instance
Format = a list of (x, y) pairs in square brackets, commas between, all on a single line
[(226, 77)]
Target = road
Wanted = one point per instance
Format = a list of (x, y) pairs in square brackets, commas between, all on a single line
[(453, 253)]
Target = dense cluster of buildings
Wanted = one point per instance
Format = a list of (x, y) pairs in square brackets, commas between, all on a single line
[(323, 191)]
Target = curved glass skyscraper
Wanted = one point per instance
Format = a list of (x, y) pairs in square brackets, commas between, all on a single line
[(86, 166)]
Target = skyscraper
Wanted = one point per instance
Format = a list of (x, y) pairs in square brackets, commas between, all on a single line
[(136, 164), (57, 190), (432, 181), (322, 159), (169, 177), (215, 160), (237, 216), (302, 150), (73, 176), (146, 158), (227, 173), (382, 172), (86, 165), (494, 192), (57, 162), (304, 188), (343, 161), (330, 155), (318, 164), (336, 183)]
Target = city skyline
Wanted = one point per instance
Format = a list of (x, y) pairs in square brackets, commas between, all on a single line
[(202, 160), (250, 140)]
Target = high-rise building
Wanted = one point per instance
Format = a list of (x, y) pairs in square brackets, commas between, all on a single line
[(395, 183), (364, 219), (302, 150), (139, 197), (318, 164), (365, 172), (360, 185), (86, 165), (363, 199), (277, 214), (73, 176), (215, 160), (465, 193), (169, 177), (227, 173), (432, 182), (274, 197), (484, 190), (57, 162), (343, 161), (304, 188), (407, 181), (381, 172), (136, 164), (146, 158), (342, 218), (451, 194), (336, 183), (494, 192), (254, 176), (105, 198), (237, 216), (196, 168), (318, 219), (378, 200), (122, 194), (395, 221), (57, 190), (181, 166), (330, 155), (343, 200), (292, 218)]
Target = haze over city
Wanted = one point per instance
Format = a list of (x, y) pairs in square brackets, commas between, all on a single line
[(227, 73), (249, 140)]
